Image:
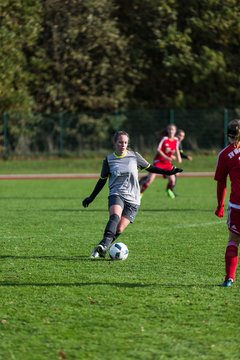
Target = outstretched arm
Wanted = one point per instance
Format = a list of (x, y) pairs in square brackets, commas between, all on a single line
[(185, 156), (221, 194), (179, 159), (156, 170), (100, 184)]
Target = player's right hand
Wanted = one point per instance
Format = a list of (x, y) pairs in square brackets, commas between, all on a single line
[(219, 211), (87, 201)]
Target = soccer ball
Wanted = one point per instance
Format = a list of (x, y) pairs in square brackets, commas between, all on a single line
[(118, 251)]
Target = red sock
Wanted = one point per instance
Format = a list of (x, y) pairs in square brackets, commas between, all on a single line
[(231, 261)]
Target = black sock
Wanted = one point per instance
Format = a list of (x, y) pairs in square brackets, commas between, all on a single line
[(110, 230)]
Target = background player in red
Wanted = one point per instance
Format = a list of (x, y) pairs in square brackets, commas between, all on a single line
[(181, 135), (228, 164), (167, 152)]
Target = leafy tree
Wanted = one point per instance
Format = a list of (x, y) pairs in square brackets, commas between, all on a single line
[(82, 59), (189, 51), (208, 77), (19, 29), (96, 57)]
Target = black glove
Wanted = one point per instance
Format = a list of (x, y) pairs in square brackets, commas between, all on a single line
[(87, 201), (173, 171)]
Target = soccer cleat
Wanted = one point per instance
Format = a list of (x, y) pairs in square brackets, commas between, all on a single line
[(227, 283), (95, 253), (102, 250), (171, 194)]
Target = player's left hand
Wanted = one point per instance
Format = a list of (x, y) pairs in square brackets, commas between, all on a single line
[(87, 201), (174, 171), (219, 211)]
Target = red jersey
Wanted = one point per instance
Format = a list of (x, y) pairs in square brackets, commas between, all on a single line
[(229, 164), (168, 147)]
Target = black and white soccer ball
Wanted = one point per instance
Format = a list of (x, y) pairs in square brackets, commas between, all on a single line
[(118, 251)]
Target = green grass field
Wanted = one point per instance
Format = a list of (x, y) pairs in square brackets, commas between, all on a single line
[(201, 162), (163, 302)]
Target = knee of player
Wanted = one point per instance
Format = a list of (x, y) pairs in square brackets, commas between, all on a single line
[(172, 180), (234, 239)]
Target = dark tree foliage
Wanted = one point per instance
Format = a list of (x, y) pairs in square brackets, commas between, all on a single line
[(82, 58), (19, 30), (92, 59), (106, 54), (189, 51)]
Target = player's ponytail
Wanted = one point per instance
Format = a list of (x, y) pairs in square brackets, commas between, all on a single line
[(233, 131)]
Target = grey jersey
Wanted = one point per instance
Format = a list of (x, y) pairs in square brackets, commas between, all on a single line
[(123, 175)]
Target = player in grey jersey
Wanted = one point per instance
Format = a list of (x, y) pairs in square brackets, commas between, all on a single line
[(121, 168)]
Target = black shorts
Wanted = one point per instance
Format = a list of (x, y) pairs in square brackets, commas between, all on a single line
[(129, 210)]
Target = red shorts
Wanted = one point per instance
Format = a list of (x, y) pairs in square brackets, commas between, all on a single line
[(161, 165), (233, 220)]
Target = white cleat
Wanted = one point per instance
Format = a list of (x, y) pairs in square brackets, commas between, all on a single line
[(102, 250), (94, 254)]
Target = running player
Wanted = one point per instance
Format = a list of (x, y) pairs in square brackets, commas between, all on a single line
[(181, 135), (228, 164), (121, 167), (167, 152)]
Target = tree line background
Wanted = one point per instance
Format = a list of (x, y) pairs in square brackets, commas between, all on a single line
[(77, 70)]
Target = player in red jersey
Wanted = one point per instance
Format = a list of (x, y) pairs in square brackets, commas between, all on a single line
[(228, 164), (167, 152)]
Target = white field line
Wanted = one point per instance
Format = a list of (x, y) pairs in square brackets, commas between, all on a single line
[(195, 225), (186, 226)]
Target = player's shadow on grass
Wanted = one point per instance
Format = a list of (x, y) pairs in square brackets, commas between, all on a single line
[(59, 210), (56, 257), (74, 210), (80, 209), (74, 284), (112, 284), (46, 257), (37, 198), (105, 210), (173, 210)]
